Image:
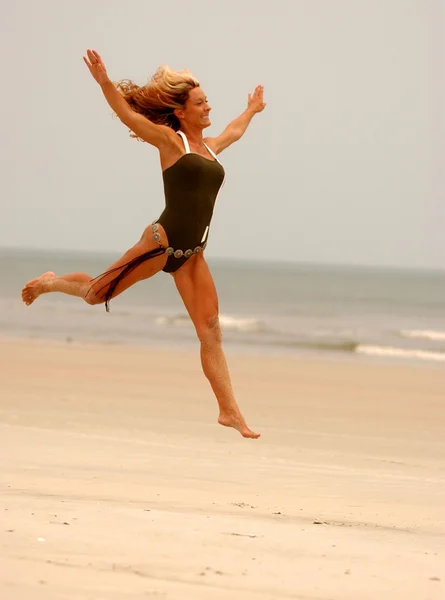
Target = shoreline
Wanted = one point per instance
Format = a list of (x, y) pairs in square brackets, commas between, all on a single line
[(233, 349)]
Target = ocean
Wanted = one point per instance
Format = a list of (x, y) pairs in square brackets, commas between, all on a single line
[(274, 308)]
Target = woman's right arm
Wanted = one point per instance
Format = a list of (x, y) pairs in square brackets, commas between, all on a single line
[(157, 135)]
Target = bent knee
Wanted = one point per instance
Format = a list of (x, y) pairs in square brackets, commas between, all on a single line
[(210, 331), (92, 297)]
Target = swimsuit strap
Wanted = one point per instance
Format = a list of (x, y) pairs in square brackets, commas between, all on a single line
[(211, 152), (185, 140)]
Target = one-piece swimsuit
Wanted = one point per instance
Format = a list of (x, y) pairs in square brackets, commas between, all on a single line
[(191, 187)]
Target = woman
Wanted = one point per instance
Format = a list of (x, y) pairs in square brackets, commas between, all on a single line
[(170, 113)]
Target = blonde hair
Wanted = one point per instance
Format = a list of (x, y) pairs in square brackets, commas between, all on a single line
[(166, 90)]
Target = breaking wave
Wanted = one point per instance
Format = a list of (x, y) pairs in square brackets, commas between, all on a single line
[(400, 353), (228, 323), (256, 332), (425, 334)]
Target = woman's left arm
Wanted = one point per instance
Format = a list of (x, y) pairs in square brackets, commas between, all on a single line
[(235, 130)]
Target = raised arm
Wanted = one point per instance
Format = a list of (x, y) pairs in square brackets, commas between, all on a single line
[(157, 135), (238, 126)]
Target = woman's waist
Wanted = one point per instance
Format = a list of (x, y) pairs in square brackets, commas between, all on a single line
[(187, 216), (188, 202), (184, 231)]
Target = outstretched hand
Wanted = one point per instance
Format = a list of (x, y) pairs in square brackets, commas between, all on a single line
[(255, 101), (96, 66)]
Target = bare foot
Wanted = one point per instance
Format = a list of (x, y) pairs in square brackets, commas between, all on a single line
[(33, 288), (235, 420)]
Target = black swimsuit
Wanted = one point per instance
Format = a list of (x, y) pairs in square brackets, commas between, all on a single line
[(191, 187)]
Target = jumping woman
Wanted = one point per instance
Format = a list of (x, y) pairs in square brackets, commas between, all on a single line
[(170, 113)]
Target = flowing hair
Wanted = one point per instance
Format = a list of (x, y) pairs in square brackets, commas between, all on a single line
[(166, 90)]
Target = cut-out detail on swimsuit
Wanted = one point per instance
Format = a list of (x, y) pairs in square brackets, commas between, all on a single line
[(191, 188)]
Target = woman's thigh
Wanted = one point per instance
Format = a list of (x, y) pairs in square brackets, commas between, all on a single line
[(146, 269), (197, 289)]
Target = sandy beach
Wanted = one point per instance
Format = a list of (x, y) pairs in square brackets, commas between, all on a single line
[(117, 482)]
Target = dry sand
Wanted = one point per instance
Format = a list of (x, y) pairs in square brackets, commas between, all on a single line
[(117, 483)]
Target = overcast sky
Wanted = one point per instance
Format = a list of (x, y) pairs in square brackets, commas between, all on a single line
[(345, 165)]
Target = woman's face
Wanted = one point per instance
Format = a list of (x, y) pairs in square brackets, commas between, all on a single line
[(196, 110)]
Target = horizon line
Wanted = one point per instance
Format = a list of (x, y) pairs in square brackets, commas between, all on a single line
[(256, 261)]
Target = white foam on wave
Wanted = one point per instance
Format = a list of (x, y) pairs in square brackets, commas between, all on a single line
[(175, 321), (228, 323), (241, 324), (400, 353), (426, 334)]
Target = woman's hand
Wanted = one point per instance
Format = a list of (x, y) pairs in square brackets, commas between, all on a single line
[(96, 67), (255, 101)]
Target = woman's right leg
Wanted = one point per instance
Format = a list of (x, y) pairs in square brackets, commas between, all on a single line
[(93, 290), (197, 289)]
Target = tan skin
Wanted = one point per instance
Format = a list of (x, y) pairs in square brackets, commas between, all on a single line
[(193, 280)]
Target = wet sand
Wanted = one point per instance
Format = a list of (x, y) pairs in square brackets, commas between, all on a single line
[(117, 482)]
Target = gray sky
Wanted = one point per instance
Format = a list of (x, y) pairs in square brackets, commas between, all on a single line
[(345, 165)]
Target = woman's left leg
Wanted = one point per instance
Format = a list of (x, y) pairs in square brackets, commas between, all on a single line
[(92, 290), (197, 289)]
